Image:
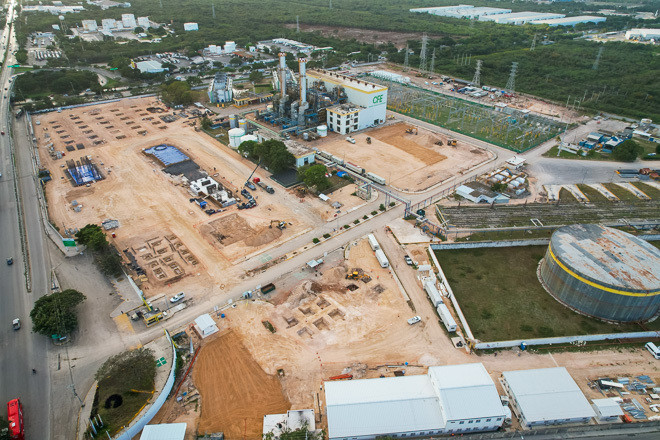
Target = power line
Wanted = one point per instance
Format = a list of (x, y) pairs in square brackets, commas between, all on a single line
[(600, 53)]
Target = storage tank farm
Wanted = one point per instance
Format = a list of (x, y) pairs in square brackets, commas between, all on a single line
[(603, 272)]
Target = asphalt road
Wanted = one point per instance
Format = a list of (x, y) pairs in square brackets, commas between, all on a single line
[(21, 350)]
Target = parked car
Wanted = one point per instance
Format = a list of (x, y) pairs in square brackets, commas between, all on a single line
[(10, 261), (16, 324), (414, 320), (251, 186), (408, 260), (178, 297)]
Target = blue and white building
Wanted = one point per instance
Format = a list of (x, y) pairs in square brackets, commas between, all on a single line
[(447, 400), (220, 89)]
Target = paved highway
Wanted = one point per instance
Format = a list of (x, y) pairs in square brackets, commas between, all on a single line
[(21, 350)]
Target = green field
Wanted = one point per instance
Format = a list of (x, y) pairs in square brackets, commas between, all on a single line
[(514, 132), (502, 298)]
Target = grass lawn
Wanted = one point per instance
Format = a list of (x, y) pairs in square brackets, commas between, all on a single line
[(596, 155), (565, 196), (621, 193), (502, 298), (593, 195), (647, 189)]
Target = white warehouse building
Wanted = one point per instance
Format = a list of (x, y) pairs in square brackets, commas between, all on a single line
[(446, 400), (546, 396), (366, 102)]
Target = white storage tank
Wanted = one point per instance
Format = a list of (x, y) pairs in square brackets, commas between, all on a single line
[(322, 130), (249, 137), (235, 135), (242, 123), (382, 259)]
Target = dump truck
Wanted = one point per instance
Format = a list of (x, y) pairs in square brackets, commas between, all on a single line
[(451, 142)]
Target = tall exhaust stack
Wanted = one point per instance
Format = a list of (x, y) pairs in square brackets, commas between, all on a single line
[(282, 70), (302, 66)]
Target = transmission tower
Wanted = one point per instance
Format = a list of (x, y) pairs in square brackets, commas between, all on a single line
[(330, 4), (297, 25), (213, 9), (405, 60), (600, 52), (477, 74), (511, 83), (432, 65), (422, 53), (161, 3), (531, 49)]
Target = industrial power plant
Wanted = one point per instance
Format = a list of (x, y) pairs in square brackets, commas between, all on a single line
[(314, 101), (603, 272)]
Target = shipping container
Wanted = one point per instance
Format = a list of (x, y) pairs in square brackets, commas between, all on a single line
[(446, 318), (432, 292), (376, 178)]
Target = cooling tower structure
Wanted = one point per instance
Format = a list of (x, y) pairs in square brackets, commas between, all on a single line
[(602, 272)]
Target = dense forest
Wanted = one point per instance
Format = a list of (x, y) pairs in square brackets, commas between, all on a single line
[(625, 82)]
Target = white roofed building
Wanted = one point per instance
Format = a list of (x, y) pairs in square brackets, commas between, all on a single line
[(546, 396), (451, 399), (164, 431), (190, 27), (143, 22)]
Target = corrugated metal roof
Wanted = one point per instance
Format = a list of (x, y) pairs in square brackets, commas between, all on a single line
[(384, 417), (385, 389), (608, 255), (467, 392), (165, 431), (608, 407), (547, 394)]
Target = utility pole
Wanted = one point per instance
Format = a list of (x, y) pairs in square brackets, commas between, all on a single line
[(511, 83), (213, 9), (432, 65), (476, 80), (405, 60), (422, 53)]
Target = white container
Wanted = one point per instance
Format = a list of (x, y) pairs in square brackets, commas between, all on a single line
[(322, 130), (235, 135), (248, 137), (382, 259), (373, 242), (242, 123)]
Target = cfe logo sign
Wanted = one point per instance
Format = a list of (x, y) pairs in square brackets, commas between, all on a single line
[(377, 99)]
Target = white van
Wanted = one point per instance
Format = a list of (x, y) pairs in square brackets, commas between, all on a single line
[(655, 351)]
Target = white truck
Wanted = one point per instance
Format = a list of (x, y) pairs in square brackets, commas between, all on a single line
[(382, 259)]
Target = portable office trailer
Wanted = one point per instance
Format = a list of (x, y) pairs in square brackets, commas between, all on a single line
[(373, 242), (446, 318), (432, 291), (382, 259)]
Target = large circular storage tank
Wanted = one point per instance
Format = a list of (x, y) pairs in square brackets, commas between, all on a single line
[(322, 130), (602, 272), (248, 137), (242, 123), (235, 135)]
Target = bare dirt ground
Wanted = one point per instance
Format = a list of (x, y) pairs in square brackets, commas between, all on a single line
[(399, 39), (153, 205), (409, 162), (235, 391)]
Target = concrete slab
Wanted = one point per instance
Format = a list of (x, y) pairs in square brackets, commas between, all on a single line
[(406, 233)]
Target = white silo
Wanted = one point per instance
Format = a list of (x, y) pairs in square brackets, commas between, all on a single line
[(235, 135), (322, 130)]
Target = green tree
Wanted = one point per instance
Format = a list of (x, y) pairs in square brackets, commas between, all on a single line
[(236, 61), (205, 123), (627, 151), (176, 93), (93, 237), (314, 176), (248, 148), (256, 76), (109, 262), (498, 187), (657, 149), (194, 81), (279, 158), (55, 314)]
